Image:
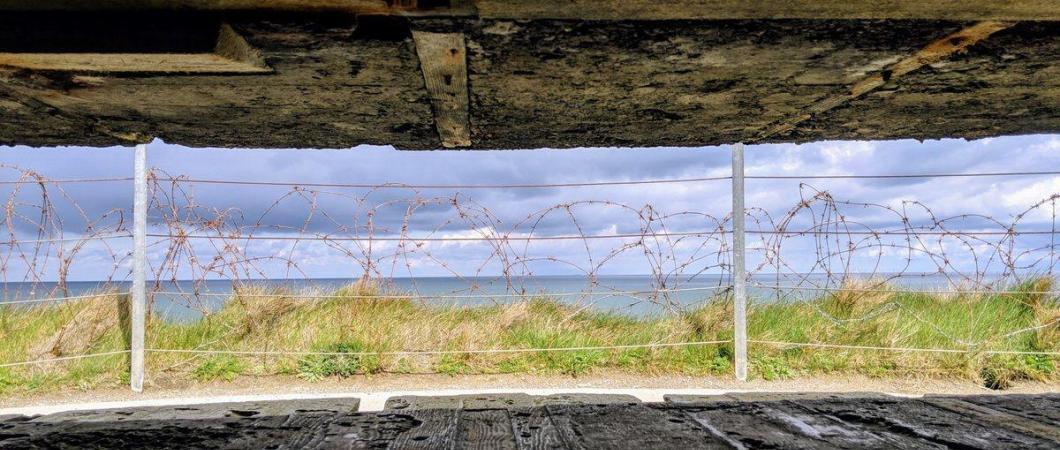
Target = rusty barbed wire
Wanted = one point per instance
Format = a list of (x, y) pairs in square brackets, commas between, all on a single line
[(37, 234), (383, 250), (822, 244)]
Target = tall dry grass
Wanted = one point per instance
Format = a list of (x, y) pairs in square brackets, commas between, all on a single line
[(362, 328)]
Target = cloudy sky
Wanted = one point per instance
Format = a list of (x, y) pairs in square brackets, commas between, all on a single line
[(594, 210)]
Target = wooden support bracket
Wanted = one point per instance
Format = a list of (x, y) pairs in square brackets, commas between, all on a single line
[(443, 59)]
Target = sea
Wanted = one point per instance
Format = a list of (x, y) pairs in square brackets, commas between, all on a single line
[(636, 295)]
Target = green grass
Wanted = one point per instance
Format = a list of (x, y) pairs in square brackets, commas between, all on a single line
[(225, 368), (361, 333)]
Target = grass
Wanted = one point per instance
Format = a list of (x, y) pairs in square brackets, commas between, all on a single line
[(359, 332)]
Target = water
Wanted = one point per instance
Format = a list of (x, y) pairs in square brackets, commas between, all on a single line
[(628, 294)]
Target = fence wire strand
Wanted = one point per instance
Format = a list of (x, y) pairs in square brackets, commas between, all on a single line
[(63, 358), (443, 352), (900, 349), (439, 186), (821, 249)]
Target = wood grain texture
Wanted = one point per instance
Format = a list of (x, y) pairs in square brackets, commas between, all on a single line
[(562, 84), (600, 9), (128, 63), (1024, 424), (619, 426), (486, 429), (435, 429), (443, 59), (933, 52), (534, 429), (759, 421), (768, 9)]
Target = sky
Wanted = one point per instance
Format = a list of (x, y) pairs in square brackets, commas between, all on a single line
[(593, 210)]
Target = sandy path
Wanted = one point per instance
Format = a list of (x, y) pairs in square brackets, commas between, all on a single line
[(382, 384)]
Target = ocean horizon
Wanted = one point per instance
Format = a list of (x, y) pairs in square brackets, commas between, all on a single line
[(637, 295)]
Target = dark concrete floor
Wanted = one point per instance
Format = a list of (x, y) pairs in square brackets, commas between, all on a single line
[(564, 421)]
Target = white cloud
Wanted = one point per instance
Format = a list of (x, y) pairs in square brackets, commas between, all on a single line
[(501, 211)]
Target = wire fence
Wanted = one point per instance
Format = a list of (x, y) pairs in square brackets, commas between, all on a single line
[(445, 282)]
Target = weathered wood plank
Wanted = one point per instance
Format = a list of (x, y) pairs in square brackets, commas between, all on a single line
[(231, 55), (834, 430), (443, 59), (353, 6), (933, 52), (561, 84), (928, 424), (749, 425), (767, 9), (602, 9), (534, 429), (1042, 426), (354, 431), (485, 401), (769, 397), (501, 401), (436, 429), (279, 408), (310, 429), (485, 429), (129, 63), (787, 421), (1040, 408), (628, 426)]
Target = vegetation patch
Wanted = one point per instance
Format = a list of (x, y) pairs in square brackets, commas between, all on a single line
[(356, 332), (224, 368), (344, 360)]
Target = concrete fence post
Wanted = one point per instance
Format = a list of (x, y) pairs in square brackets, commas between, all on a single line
[(138, 290), (739, 269)]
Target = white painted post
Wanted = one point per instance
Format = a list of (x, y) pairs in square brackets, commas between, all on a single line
[(138, 291), (739, 269)]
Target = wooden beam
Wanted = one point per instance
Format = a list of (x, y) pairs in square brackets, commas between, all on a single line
[(231, 55), (597, 9), (391, 7), (934, 52), (127, 63), (995, 416), (357, 6), (443, 59), (768, 9)]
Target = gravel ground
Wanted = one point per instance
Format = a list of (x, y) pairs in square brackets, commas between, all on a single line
[(274, 385)]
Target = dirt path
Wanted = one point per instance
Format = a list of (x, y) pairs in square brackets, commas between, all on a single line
[(279, 385)]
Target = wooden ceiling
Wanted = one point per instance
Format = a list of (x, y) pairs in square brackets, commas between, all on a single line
[(497, 74)]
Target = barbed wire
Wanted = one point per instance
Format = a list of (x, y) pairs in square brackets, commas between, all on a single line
[(5, 302), (814, 246), (440, 186), (64, 181), (901, 349), (186, 179), (906, 233), (441, 239), (440, 352), (904, 290), (920, 175), (445, 296), (59, 240), (603, 236), (591, 184)]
